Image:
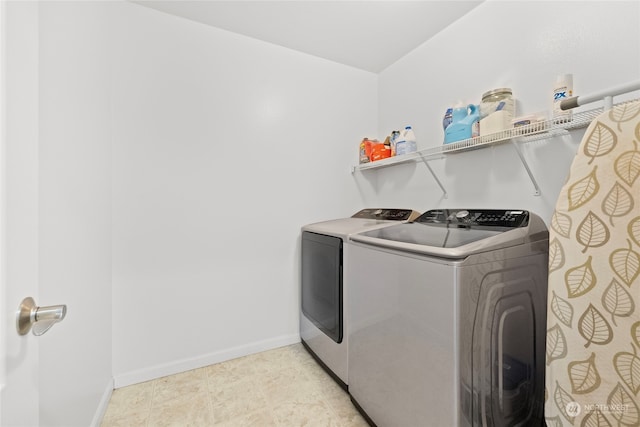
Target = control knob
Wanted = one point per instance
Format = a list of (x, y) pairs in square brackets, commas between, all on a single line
[(462, 214)]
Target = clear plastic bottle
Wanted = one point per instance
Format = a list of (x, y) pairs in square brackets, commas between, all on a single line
[(395, 137), (498, 100), (497, 111), (362, 152)]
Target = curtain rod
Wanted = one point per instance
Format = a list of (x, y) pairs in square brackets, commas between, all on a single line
[(607, 95)]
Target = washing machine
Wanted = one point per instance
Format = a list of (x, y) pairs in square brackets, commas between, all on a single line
[(324, 261), (447, 320)]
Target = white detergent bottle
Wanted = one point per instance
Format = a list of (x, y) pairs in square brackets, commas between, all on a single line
[(410, 140)]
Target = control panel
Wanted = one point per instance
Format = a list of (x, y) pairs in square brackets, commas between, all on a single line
[(385, 214), (476, 217)]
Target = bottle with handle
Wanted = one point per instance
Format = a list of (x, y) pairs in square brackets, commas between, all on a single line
[(410, 139), (464, 125), (406, 142)]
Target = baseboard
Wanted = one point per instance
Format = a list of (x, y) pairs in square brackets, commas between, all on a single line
[(159, 371), (103, 405)]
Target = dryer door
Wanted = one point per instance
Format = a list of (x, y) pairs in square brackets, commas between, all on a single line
[(322, 283), (508, 346)]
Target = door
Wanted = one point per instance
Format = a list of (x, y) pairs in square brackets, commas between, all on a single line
[(57, 207), (322, 283), (19, 209)]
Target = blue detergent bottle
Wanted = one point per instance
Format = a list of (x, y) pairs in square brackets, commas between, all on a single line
[(464, 124), (448, 118)]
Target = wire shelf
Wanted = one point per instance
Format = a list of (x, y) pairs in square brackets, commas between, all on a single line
[(531, 132)]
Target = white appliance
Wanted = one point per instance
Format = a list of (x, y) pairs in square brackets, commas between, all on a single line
[(324, 261), (447, 320)]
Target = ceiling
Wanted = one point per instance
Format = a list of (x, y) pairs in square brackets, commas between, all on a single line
[(370, 35)]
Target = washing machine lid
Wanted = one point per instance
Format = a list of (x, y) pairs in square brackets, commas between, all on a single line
[(458, 233), (363, 220)]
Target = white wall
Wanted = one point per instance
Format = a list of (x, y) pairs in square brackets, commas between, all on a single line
[(224, 146), (75, 210), (522, 45)]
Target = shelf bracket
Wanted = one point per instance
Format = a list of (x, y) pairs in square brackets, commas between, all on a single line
[(435, 177), (526, 167)]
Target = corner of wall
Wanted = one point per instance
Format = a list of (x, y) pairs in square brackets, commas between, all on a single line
[(178, 366), (103, 405)]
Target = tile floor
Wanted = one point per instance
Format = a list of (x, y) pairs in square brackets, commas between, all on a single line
[(281, 387)]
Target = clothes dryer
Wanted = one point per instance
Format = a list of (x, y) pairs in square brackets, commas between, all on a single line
[(324, 262), (447, 320)]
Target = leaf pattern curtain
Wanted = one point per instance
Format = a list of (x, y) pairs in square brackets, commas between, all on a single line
[(593, 320)]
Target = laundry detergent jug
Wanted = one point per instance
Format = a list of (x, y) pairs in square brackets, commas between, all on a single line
[(464, 124)]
